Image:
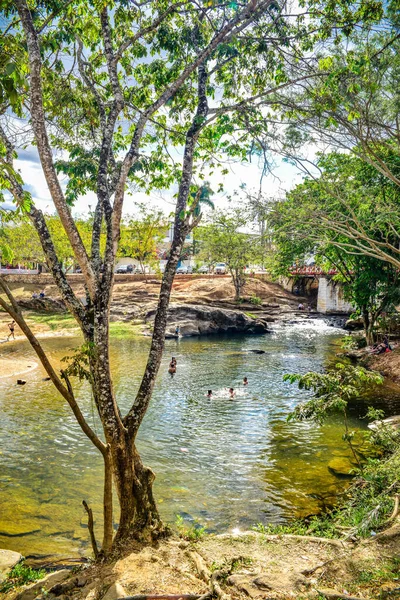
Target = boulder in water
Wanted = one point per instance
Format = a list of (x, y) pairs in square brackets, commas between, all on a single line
[(196, 320), (341, 467)]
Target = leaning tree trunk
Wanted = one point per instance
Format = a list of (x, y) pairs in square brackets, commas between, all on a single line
[(369, 324)]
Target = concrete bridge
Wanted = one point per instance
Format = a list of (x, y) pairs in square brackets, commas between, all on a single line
[(313, 280)]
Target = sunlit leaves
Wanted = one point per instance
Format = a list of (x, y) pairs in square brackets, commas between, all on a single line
[(332, 391)]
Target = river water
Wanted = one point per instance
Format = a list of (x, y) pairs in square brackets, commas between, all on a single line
[(221, 463)]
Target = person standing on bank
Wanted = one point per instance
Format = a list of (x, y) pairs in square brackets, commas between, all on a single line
[(11, 327)]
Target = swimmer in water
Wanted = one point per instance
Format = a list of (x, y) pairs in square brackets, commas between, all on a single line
[(245, 382), (172, 366), (231, 393), (209, 394)]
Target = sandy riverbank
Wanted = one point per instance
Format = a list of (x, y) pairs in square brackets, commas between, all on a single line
[(10, 367)]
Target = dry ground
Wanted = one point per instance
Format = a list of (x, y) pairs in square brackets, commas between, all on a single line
[(248, 565)]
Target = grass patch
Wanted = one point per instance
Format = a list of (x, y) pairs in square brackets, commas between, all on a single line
[(21, 575), (251, 315), (319, 526), (55, 321), (118, 329), (191, 533)]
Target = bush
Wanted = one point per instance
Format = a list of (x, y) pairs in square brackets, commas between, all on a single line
[(21, 574), (192, 533), (256, 300)]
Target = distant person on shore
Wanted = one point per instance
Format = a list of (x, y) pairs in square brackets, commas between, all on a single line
[(245, 381), (231, 393), (209, 394), (301, 306), (386, 342), (35, 295), (42, 294), (11, 327), (177, 330)]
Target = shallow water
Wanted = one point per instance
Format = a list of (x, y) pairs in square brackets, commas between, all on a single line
[(220, 462)]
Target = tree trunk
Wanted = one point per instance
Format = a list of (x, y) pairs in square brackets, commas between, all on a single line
[(368, 327), (139, 518)]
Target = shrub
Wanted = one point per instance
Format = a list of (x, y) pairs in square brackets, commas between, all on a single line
[(256, 300), (192, 533), (21, 574)]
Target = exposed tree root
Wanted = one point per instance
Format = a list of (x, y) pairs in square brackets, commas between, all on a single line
[(207, 577), (288, 536), (395, 509), (321, 565)]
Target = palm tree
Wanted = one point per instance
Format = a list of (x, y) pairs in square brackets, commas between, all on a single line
[(202, 197)]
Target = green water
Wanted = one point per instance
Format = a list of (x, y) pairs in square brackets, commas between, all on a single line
[(222, 463)]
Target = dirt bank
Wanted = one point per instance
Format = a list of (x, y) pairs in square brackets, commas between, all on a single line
[(242, 566), (133, 298), (387, 364)]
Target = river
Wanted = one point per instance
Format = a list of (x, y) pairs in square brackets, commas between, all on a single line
[(224, 464)]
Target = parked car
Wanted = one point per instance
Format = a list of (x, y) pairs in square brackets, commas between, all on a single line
[(203, 269), (125, 269), (220, 269), (183, 270)]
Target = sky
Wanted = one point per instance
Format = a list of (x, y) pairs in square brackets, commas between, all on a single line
[(283, 178)]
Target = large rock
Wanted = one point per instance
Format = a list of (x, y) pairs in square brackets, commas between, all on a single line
[(202, 320), (354, 324), (43, 305), (341, 468), (8, 560), (390, 422)]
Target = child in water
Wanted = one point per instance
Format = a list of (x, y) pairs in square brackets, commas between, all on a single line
[(245, 382), (209, 394), (231, 393)]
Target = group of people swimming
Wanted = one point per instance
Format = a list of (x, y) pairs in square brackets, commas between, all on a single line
[(232, 393)]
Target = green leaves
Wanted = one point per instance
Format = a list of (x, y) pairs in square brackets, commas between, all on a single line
[(332, 391)]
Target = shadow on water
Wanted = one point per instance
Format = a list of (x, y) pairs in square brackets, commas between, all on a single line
[(224, 463)]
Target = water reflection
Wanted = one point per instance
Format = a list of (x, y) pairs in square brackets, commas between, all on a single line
[(223, 463)]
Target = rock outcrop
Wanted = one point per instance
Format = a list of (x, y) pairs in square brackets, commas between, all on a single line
[(8, 560), (196, 320), (43, 305)]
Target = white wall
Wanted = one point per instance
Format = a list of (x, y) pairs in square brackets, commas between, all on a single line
[(330, 298)]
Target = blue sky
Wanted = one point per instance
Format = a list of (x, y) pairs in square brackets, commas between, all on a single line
[(283, 178)]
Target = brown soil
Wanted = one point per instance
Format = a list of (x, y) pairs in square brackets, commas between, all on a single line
[(387, 364), (187, 289), (249, 565), (133, 298)]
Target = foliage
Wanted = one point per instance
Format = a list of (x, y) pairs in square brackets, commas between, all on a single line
[(324, 218), (141, 234), (383, 435), (332, 393), (192, 533), (256, 300), (19, 575), (332, 390), (318, 525), (79, 363), (223, 240)]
